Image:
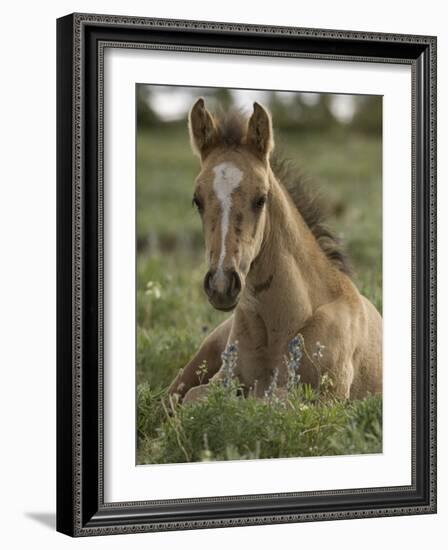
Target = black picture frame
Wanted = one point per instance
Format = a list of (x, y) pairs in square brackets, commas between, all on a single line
[(81, 510)]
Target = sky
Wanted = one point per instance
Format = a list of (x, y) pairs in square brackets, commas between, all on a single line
[(173, 102)]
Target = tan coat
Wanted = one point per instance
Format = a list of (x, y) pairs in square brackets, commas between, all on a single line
[(266, 265)]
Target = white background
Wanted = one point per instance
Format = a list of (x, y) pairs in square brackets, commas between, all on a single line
[(27, 233)]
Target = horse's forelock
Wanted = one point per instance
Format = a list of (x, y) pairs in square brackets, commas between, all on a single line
[(232, 128)]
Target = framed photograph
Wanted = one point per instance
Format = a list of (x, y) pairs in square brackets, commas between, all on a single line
[(246, 274)]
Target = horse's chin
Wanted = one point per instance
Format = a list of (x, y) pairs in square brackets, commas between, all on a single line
[(226, 308)]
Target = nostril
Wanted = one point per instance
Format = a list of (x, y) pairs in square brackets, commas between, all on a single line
[(235, 285), (207, 283)]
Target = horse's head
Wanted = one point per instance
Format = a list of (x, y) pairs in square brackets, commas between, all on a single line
[(230, 194)]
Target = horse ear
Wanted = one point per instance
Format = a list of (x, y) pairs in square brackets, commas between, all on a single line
[(202, 127), (260, 136)]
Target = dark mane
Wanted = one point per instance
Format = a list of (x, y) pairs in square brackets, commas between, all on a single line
[(232, 130), (313, 210)]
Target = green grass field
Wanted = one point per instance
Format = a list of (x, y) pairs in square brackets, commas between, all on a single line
[(173, 314)]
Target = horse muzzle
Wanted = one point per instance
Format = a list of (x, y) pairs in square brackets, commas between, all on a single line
[(223, 288)]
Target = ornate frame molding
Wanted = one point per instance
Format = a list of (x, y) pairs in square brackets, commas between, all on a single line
[(81, 42)]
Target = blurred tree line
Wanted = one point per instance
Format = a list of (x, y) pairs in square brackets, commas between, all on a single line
[(312, 112)]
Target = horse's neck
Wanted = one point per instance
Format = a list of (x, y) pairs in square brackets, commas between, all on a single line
[(291, 276)]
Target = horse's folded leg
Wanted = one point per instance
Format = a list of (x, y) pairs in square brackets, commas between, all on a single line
[(193, 394), (281, 394), (177, 385), (205, 362)]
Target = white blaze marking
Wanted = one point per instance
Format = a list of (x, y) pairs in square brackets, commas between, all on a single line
[(227, 179)]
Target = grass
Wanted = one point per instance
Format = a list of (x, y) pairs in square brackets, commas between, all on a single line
[(227, 427), (173, 315)]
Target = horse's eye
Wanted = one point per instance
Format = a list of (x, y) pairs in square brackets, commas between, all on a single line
[(198, 203), (259, 202)]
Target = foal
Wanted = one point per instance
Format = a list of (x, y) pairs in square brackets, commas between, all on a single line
[(276, 268)]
